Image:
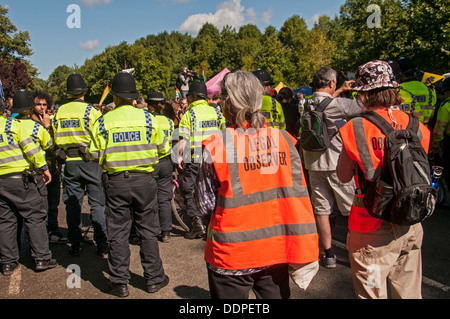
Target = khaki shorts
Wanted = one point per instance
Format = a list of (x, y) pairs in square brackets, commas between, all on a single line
[(327, 190)]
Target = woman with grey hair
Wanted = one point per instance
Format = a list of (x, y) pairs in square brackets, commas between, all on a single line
[(251, 183)]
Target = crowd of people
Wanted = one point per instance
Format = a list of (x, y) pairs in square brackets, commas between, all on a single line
[(262, 198)]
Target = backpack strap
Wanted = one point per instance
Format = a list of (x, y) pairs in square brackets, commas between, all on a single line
[(414, 124), (324, 104), (379, 121)]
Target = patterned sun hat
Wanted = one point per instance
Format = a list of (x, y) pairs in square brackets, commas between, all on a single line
[(374, 75)]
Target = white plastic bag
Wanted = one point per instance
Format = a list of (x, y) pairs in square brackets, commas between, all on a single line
[(303, 274)]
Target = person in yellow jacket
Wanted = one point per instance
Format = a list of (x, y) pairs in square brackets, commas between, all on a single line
[(23, 176), (71, 133), (440, 144), (198, 123), (40, 114), (164, 169), (128, 142), (271, 108), (418, 99)]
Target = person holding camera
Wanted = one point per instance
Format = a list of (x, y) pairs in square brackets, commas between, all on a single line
[(184, 78)]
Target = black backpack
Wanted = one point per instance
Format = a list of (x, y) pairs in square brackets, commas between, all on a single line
[(314, 135), (403, 193)]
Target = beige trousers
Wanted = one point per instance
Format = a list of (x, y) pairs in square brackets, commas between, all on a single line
[(388, 257)]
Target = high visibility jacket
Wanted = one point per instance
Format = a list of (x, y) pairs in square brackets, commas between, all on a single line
[(418, 99), (365, 144), (18, 151), (168, 128), (38, 133), (273, 112), (127, 139), (199, 122), (264, 214), (442, 126), (71, 125)]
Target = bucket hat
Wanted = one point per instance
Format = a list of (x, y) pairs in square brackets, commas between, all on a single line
[(76, 84), (375, 75), (124, 86), (22, 101)]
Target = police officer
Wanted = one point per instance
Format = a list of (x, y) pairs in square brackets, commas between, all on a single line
[(441, 134), (23, 176), (40, 114), (271, 108), (199, 122), (71, 132), (419, 99), (127, 143), (164, 169)]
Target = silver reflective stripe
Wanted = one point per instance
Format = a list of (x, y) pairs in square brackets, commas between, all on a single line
[(11, 159), (131, 163), (233, 165), (259, 197), (363, 148), (72, 133), (34, 151), (9, 148), (264, 233), (26, 142), (130, 148)]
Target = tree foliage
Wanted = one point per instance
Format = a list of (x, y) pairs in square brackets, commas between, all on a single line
[(417, 29)]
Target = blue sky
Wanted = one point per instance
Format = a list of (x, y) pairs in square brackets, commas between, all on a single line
[(110, 22)]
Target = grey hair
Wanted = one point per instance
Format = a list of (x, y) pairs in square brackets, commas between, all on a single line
[(323, 77), (242, 96)]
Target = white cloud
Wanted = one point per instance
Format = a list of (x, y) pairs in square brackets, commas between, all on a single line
[(267, 16), (230, 12), (91, 3), (313, 19), (90, 45)]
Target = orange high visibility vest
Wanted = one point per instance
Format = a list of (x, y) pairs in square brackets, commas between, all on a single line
[(264, 214), (364, 143)]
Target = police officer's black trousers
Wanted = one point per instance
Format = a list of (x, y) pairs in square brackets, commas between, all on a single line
[(54, 194), (31, 205), (189, 176), (80, 177), (133, 195), (164, 173)]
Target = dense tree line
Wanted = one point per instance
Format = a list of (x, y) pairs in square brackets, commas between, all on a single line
[(418, 29)]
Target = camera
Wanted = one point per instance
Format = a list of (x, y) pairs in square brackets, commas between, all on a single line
[(191, 73)]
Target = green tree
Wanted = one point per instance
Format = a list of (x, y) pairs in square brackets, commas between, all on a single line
[(57, 83), (13, 42), (248, 45), (272, 56)]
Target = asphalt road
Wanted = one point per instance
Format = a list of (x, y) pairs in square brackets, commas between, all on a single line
[(184, 264)]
